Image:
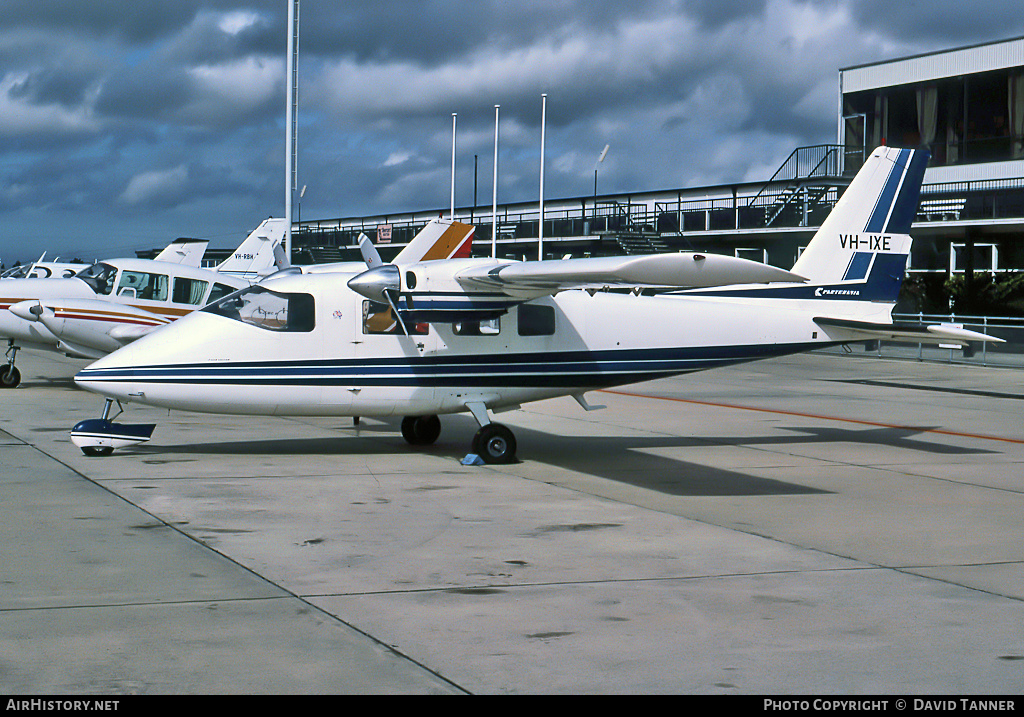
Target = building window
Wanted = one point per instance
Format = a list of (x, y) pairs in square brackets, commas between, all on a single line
[(963, 120)]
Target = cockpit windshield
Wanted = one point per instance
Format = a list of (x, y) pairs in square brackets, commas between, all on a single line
[(100, 277), (267, 309)]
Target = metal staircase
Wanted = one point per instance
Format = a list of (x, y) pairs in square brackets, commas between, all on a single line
[(799, 181)]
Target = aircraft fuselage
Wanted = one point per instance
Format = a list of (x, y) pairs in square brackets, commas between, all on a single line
[(348, 359)]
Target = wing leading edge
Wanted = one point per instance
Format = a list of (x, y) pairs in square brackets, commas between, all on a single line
[(682, 270)]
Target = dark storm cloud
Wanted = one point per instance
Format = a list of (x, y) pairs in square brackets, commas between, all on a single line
[(135, 22), (169, 115), (950, 23)]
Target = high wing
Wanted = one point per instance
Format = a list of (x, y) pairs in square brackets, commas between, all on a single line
[(187, 252), (685, 269), (911, 332), (442, 287)]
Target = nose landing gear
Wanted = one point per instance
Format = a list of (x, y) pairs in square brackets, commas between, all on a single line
[(100, 436), (10, 376)]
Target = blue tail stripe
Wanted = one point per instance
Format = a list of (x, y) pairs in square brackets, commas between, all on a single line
[(905, 208), (883, 207), (859, 264), (886, 277)]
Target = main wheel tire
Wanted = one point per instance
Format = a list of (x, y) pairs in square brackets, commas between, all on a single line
[(421, 430), (495, 443), (10, 376)]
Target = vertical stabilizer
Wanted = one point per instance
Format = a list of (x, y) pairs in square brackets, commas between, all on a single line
[(440, 239), (866, 236), (255, 257)]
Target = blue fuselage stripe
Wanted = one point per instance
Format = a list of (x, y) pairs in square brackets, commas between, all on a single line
[(573, 368)]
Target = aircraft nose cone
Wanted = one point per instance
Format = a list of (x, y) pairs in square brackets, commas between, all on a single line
[(374, 283), (29, 310)]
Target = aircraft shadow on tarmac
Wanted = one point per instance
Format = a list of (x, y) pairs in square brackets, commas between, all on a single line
[(626, 459), (66, 383)]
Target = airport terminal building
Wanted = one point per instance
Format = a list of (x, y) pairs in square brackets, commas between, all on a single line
[(966, 105)]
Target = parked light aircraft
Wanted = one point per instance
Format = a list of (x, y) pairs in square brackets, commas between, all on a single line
[(436, 336), (110, 303), (188, 252), (43, 270)]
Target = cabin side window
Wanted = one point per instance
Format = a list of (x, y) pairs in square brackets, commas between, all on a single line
[(536, 320), (100, 277), (219, 291), (188, 291), (486, 327), (151, 287), (268, 310), (379, 319)]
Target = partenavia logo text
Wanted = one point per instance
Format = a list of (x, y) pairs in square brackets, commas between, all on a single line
[(825, 291)]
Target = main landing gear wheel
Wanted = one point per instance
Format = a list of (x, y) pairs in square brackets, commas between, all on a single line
[(495, 443), (421, 430), (10, 376)]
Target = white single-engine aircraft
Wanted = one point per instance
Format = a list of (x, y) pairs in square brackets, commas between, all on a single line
[(436, 335), (180, 251), (110, 303)]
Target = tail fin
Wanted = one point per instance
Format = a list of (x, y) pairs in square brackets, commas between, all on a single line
[(440, 239), (865, 240), (187, 252), (255, 256)]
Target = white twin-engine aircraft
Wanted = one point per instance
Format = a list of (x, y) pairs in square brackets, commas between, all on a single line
[(440, 335), (111, 303)]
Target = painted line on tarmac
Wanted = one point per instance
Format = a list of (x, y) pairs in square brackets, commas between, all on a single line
[(820, 417)]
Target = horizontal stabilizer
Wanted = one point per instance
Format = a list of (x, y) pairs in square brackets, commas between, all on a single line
[(685, 269), (901, 331), (125, 334)]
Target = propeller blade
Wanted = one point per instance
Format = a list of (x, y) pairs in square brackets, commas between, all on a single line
[(369, 252)]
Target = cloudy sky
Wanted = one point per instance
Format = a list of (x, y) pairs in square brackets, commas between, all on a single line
[(127, 123)]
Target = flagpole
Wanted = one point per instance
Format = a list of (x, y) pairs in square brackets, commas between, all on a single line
[(543, 123), (454, 116), (288, 128), (494, 200)]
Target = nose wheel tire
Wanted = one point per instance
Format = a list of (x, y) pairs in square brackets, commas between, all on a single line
[(97, 451), (495, 443), (10, 376), (421, 430)]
